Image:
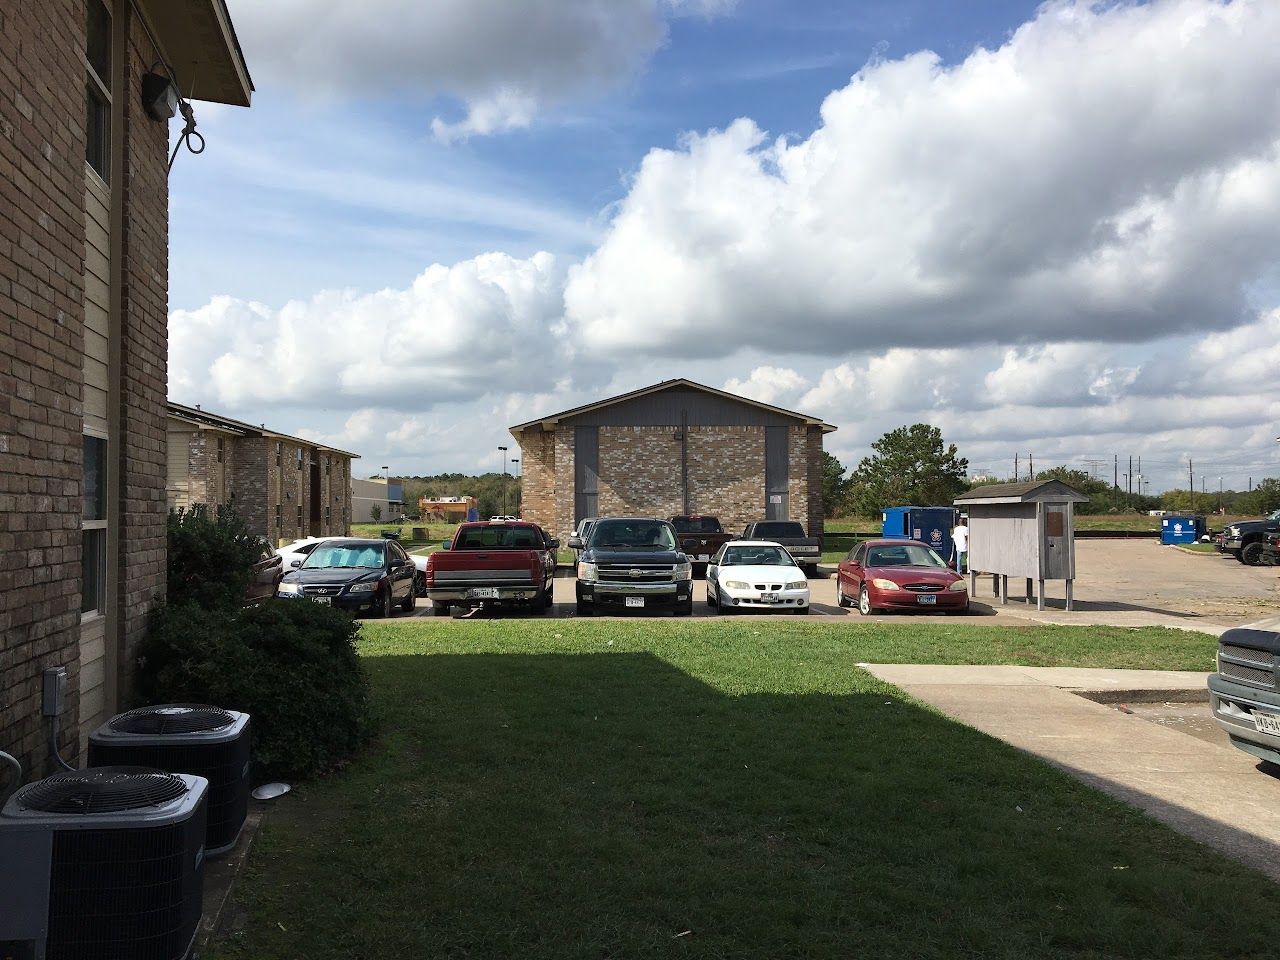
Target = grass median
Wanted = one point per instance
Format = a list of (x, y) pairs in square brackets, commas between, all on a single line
[(659, 789)]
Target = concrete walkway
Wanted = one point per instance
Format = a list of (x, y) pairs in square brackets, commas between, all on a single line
[(1215, 794)]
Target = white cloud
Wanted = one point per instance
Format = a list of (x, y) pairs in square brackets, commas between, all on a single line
[(1111, 173), (779, 386), (455, 332), (502, 59)]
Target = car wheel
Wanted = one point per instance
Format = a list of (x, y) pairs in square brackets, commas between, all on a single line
[(583, 609), (841, 599), (439, 608), (408, 603), (802, 611), (864, 602), (542, 602), (386, 613), (685, 609), (420, 583), (1251, 555)]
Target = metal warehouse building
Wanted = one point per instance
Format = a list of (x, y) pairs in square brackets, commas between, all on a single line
[(677, 447)]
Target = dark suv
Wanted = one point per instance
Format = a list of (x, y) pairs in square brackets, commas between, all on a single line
[(633, 563), (1246, 540)]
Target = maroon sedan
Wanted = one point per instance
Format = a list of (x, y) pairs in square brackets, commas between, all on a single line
[(899, 575)]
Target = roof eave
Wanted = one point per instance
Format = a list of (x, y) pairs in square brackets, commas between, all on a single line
[(198, 41)]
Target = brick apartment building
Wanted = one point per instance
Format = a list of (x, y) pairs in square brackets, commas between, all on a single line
[(673, 448), (285, 487), (84, 210)]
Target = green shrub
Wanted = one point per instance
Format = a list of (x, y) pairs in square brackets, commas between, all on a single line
[(211, 557), (292, 665)]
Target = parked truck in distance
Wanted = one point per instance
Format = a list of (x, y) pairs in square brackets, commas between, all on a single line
[(632, 563), (496, 563), (1246, 540), (700, 537), (806, 550)]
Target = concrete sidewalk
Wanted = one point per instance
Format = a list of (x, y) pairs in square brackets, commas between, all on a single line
[(1215, 794)]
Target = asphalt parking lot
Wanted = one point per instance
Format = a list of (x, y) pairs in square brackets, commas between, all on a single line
[(1119, 582)]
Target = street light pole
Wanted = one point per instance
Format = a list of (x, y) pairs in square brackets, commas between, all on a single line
[(503, 450), (386, 477), (515, 475)]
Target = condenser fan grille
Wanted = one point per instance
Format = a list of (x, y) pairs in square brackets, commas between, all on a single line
[(101, 790), (172, 718)]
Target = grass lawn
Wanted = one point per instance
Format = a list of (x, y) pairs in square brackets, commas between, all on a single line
[(1198, 547), (650, 789)]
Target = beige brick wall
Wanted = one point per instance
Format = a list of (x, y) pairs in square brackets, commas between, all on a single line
[(564, 464), (639, 472), (726, 474), (538, 479), (42, 242)]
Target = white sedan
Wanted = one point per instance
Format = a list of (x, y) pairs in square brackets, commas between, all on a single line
[(299, 550), (756, 575)]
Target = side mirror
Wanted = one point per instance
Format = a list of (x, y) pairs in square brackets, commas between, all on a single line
[(295, 564), (575, 543), (397, 563), (555, 544), (445, 545)]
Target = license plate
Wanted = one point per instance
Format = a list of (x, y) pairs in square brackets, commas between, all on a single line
[(327, 601), (1267, 722), (635, 601), (769, 597), (926, 598), (482, 593), (704, 557)]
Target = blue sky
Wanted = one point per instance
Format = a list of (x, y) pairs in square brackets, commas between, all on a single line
[(1044, 228)]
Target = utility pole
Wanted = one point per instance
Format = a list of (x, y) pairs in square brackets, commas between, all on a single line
[(1031, 467), (1129, 476), (1115, 472), (1191, 474), (1016, 476)]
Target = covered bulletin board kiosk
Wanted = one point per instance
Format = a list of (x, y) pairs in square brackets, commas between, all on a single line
[(1022, 530)]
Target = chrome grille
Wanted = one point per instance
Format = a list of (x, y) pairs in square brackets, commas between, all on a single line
[(923, 587), (312, 591), (1262, 658), (1236, 671), (636, 572)]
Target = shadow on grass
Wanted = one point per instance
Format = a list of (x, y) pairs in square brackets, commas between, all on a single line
[(611, 805)]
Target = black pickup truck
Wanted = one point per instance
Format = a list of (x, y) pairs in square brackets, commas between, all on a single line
[(633, 563), (807, 551), (1247, 539)]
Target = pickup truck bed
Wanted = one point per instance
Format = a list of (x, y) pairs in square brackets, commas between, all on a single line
[(700, 537), (790, 534), (493, 563)]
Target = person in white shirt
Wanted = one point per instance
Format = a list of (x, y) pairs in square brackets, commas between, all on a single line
[(960, 542)]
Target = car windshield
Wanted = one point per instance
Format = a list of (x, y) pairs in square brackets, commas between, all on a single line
[(632, 535), (903, 555), (696, 525), (363, 556), (497, 537), (756, 557), (774, 529)]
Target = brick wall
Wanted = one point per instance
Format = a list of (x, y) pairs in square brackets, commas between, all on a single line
[(538, 481), (726, 474), (249, 484), (639, 472), (143, 358), (564, 467), (42, 236), (813, 460)]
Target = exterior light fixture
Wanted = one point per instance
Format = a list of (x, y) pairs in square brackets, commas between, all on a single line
[(159, 97)]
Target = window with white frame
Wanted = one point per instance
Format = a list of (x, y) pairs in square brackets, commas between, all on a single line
[(97, 91), (93, 553)]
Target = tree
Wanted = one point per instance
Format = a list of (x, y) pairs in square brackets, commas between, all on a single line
[(911, 465), (375, 511), (1262, 499), (834, 485)]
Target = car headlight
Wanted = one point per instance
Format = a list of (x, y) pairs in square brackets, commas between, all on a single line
[(736, 585), (367, 587), (587, 572), (881, 584), (958, 587), (797, 584), (289, 588), (684, 571), (1234, 531)]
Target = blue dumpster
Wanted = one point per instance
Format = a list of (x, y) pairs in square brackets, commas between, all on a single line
[(1182, 529), (930, 525)]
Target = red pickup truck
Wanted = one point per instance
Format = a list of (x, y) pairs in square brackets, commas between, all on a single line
[(499, 562)]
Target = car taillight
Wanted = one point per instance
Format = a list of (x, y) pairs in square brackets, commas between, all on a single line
[(429, 574)]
